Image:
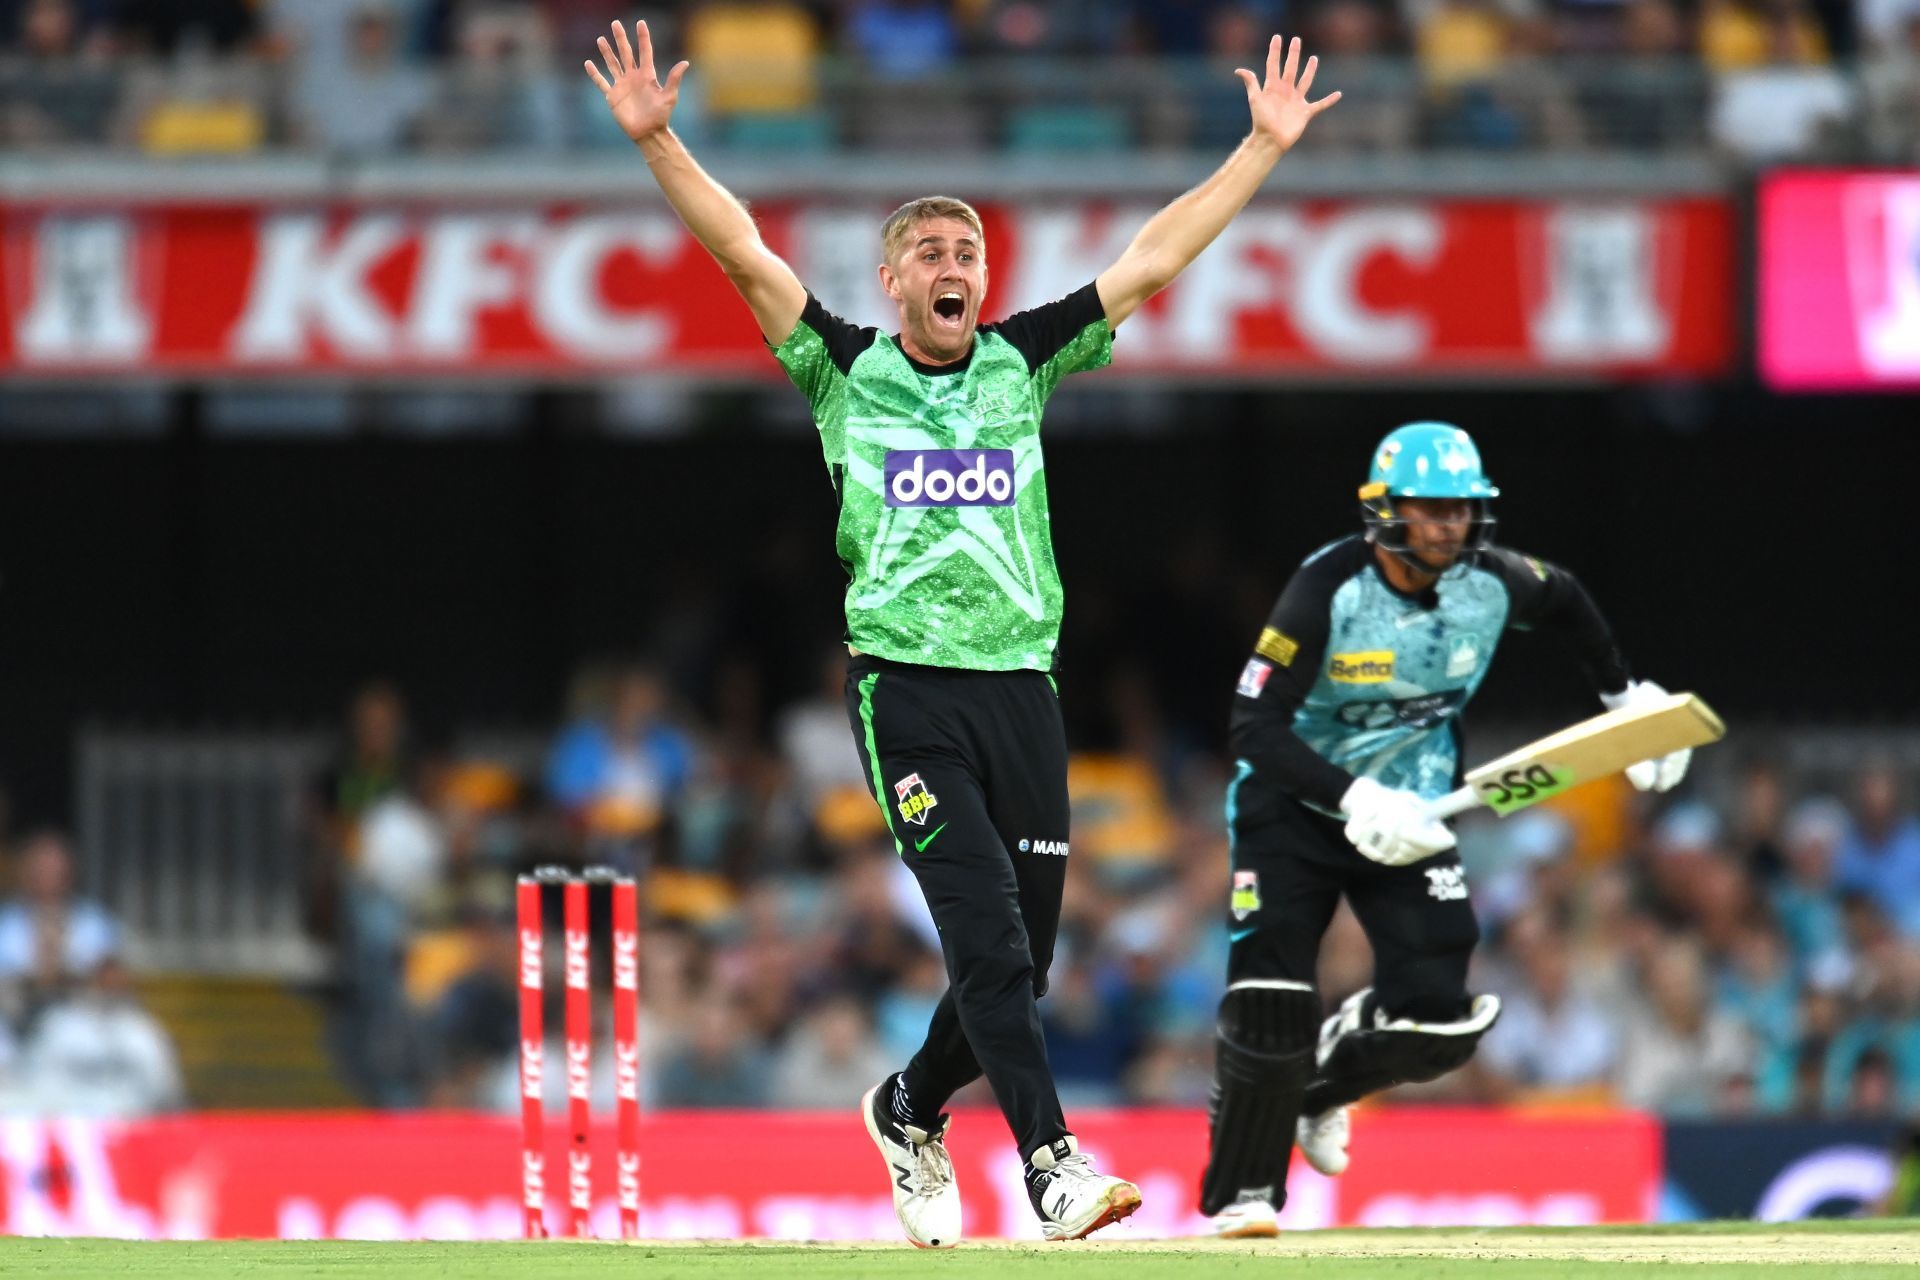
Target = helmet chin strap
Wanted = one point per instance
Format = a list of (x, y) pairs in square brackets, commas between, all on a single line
[(1407, 556)]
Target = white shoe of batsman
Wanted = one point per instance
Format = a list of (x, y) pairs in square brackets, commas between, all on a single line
[(1074, 1199), (1249, 1219), (1322, 1139), (926, 1198)]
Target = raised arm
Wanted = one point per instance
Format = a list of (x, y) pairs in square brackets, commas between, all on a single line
[(642, 106), (1175, 236)]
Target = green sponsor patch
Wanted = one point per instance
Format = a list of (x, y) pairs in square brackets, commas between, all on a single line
[(1517, 788)]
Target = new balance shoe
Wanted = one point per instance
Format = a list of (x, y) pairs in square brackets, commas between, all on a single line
[(1322, 1139), (1073, 1199), (926, 1198), (1249, 1218)]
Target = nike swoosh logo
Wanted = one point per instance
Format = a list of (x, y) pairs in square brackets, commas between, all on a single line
[(1408, 619), (920, 846), (1238, 934)]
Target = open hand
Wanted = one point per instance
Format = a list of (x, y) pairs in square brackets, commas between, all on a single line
[(640, 104), (1280, 107)]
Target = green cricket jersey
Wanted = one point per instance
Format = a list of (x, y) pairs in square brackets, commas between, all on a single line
[(943, 494)]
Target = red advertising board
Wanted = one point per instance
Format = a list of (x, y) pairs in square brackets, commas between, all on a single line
[(810, 1176), (1839, 287), (1512, 288)]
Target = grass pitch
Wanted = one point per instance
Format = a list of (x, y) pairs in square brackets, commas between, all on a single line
[(1720, 1251)]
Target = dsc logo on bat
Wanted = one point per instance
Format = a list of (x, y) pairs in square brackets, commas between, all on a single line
[(1521, 786)]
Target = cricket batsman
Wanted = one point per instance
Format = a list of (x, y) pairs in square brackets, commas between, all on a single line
[(932, 443), (1346, 722)]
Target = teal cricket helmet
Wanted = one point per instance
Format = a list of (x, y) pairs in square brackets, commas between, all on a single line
[(1425, 460)]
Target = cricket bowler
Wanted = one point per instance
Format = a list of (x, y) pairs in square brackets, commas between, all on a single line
[(1346, 723), (931, 436)]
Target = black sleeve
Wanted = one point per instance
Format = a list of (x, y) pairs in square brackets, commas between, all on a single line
[(844, 341), (1547, 598), (1277, 678), (1042, 333)]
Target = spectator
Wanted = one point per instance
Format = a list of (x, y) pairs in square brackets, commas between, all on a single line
[(1739, 35), (903, 40), (1886, 26), (1679, 1055), (1880, 856), (620, 769), (98, 1053), (373, 762), (903, 1010), (499, 88), (1759, 811), (1805, 898), (372, 100), (719, 1066), (1177, 28), (1891, 82), (1353, 36), (827, 782), (1757, 986), (476, 1021), (1654, 96), (1784, 109), (830, 1059), (49, 936), (55, 93), (1552, 1034)]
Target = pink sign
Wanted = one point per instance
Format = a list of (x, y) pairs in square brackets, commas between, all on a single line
[(811, 1175), (1839, 287)]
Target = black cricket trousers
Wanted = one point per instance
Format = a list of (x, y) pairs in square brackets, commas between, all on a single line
[(970, 769)]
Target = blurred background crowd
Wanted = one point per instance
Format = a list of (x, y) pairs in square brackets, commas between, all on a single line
[(1750, 945), (1749, 80)]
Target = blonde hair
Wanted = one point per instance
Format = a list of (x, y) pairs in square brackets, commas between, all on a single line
[(900, 223)]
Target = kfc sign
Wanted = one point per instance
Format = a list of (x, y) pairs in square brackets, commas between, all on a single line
[(813, 1177), (1488, 288), (1840, 281)]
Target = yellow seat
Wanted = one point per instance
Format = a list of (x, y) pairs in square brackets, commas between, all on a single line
[(435, 959), (1120, 816), (755, 58), (180, 128), (1461, 46)]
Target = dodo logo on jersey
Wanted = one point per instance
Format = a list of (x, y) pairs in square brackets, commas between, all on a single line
[(915, 799), (1372, 667), (950, 477)]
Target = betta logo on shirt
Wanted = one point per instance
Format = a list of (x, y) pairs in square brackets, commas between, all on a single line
[(1372, 667), (949, 478)]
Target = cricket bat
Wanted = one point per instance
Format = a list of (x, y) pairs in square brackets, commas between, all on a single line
[(1591, 749)]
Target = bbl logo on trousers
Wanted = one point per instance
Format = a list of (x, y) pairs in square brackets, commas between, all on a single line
[(914, 799)]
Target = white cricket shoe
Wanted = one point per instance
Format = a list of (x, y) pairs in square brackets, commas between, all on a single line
[(1248, 1219), (1072, 1198), (1322, 1139), (926, 1198)]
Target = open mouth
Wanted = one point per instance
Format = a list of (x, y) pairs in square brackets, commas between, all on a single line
[(950, 308)]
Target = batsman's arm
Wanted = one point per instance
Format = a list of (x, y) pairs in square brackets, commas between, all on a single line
[(1548, 598), (642, 106), (1174, 237), (1272, 686)]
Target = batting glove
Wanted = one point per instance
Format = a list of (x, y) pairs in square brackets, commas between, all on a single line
[(1392, 826), (1664, 773)]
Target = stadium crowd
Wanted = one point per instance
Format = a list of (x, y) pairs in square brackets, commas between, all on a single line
[(1751, 947), (1759, 80)]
